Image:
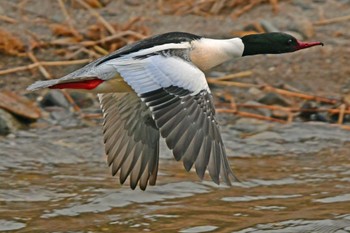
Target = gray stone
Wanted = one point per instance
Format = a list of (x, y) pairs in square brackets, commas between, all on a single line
[(8, 123), (260, 111), (83, 99), (268, 26), (274, 99), (54, 98)]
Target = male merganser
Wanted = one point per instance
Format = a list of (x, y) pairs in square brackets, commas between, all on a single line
[(156, 87)]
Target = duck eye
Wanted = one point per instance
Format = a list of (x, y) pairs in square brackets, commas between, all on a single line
[(289, 42)]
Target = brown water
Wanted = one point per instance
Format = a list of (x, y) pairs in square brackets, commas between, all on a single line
[(279, 193)]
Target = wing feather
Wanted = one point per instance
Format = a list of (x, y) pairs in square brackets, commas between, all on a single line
[(131, 138)]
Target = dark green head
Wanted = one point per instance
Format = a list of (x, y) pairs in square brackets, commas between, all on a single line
[(273, 43)]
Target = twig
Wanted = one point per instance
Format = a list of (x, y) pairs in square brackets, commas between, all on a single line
[(233, 84), (113, 37), (250, 115), (69, 20), (71, 101), (333, 20), (300, 95), (43, 63), (104, 40), (98, 16), (7, 19), (64, 63), (42, 69), (341, 114), (231, 76)]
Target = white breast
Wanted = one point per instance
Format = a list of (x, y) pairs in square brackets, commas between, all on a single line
[(208, 53)]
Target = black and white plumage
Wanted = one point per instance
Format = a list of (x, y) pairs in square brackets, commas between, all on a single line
[(156, 87)]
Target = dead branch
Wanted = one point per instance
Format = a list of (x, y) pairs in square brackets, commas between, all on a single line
[(7, 19), (250, 115), (98, 16), (333, 20), (43, 63), (42, 69), (231, 76)]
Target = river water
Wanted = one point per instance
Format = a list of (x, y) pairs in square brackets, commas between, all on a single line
[(294, 178)]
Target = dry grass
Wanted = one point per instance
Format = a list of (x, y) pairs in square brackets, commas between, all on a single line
[(234, 8)]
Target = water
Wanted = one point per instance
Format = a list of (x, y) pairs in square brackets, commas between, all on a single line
[(58, 182)]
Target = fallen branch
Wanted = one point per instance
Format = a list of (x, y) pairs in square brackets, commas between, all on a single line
[(250, 115), (333, 20), (69, 20), (7, 19), (98, 16), (299, 95), (233, 84), (41, 68), (231, 76), (43, 63)]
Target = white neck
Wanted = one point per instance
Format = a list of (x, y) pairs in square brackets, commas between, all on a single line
[(208, 53)]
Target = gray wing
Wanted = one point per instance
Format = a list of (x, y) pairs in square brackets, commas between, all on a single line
[(131, 138), (187, 122)]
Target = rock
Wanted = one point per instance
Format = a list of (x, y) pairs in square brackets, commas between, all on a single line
[(268, 26), (250, 126), (54, 98), (8, 123), (306, 27), (267, 135), (310, 106), (83, 99), (280, 114), (19, 105), (320, 116), (64, 117), (255, 92), (260, 111), (274, 99)]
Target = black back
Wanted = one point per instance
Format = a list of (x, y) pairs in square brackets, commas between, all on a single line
[(166, 38)]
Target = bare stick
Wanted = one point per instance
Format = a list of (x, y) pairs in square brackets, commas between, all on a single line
[(341, 114), (300, 95), (232, 76), (7, 19), (68, 19), (98, 16), (250, 115), (43, 63), (42, 69), (233, 84), (333, 20)]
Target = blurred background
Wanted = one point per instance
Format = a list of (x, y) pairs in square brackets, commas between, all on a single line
[(285, 120)]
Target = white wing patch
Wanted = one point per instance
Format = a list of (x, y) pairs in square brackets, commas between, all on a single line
[(156, 72)]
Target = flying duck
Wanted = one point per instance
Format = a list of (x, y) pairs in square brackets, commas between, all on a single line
[(156, 88)]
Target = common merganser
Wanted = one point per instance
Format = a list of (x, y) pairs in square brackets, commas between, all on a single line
[(156, 87)]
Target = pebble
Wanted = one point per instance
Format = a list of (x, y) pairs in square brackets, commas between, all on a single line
[(274, 99), (308, 105), (8, 123), (55, 98), (268, 26), (19, 105), (83, 99), (64, 117), (279, 114), (255, 92), (260, 111)]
